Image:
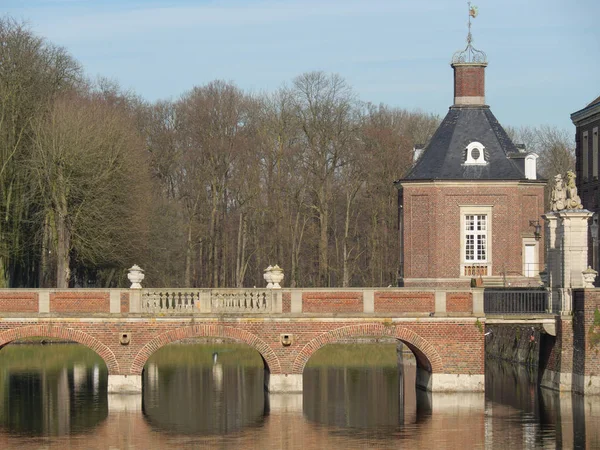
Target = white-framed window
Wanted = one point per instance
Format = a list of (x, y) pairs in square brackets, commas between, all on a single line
[(475, 154), (476, 233), (475, 241)]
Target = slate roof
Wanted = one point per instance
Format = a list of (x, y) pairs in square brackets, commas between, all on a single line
[(594, 102), (443, 158)]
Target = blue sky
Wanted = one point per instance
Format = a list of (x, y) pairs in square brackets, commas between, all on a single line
[(544, 55)]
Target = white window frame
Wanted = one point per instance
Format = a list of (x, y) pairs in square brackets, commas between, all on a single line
[(484, 264), (530, 166), (472, 161)]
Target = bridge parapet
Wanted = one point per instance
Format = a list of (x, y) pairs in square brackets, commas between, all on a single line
[(233, 301), (395, 302)]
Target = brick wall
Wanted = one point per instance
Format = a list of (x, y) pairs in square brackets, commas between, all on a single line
[(447, 346), (404, 302), (469, 81), (586, 332), (459, 302), (286, 300), (88, 302), (346, 302), (432, 234), (19, 302)]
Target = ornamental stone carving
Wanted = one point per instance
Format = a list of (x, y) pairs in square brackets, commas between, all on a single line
[(573, 200), (589, 276), (273, 276), (135, 275), (564, 196)]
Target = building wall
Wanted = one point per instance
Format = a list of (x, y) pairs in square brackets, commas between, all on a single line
[(432, 226), (587, 169), (587, 181)]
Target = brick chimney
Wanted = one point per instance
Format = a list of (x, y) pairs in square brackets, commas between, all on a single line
[(469, 83)]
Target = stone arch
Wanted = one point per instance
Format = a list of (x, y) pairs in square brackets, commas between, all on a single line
[(62, 332), (218, 331), (426, 355)]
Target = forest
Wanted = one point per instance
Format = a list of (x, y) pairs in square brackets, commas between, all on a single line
[(205, 190)]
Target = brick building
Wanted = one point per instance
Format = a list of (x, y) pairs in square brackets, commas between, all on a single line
[(587, 123), (470, 205)]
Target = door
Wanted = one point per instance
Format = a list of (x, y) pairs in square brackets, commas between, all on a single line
[(530, 263)]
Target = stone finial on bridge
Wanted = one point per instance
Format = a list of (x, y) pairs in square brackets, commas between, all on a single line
[(273, 276), (135, 275)]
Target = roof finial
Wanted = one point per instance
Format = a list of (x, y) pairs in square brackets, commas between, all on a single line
[(470, 54)]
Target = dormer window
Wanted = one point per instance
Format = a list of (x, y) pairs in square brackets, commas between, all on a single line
[(475, 154), (530, 166)]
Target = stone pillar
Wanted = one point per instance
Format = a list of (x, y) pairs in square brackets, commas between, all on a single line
[(566, 254), (124, 384), (279, 382)]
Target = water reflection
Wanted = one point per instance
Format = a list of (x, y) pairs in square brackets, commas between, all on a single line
[(355, 397), (59, 392), (51, 396), (203, 400)]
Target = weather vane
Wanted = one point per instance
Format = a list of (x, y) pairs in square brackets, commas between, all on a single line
[(470, 54)]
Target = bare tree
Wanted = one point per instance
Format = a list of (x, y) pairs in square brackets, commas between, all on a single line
[(88, 169), (324, 107), (32, 73)]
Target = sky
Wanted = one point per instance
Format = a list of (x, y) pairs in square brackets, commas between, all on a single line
[(543, 55)]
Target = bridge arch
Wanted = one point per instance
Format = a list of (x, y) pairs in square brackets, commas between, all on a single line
[(61, 332), (426, 355), (218, 331)]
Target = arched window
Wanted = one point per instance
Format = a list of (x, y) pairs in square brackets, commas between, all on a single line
[(530, 166)]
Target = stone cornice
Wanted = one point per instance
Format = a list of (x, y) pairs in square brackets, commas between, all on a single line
[(586, 115), (470, 183)]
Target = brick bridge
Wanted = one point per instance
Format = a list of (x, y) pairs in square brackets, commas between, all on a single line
[(445, 329)]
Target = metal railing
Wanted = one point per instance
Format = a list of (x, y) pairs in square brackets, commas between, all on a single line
[(515, 301)]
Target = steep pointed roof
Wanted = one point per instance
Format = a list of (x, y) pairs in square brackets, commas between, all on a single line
[(444, 156)]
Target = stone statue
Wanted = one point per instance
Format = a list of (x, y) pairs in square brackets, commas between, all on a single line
[(565, 196), (573, 200), (558, 197)]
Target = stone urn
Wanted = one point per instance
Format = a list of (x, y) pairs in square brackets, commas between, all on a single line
[(135, 275), (589, 276), (268, 276), (277, 276)]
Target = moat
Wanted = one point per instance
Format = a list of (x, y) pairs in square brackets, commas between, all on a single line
[(211, 395)]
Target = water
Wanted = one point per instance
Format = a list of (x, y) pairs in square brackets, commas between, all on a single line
[(54, 396)]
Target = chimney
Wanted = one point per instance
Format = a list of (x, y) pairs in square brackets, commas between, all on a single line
[(469, 83), (469, 71)]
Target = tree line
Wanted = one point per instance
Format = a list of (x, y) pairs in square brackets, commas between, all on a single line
[(202, 191)]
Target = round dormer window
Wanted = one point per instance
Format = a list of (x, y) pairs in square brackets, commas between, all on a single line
[(475, 154)]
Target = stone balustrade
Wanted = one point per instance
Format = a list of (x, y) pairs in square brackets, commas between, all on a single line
[(219, 301), (169, 300)]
